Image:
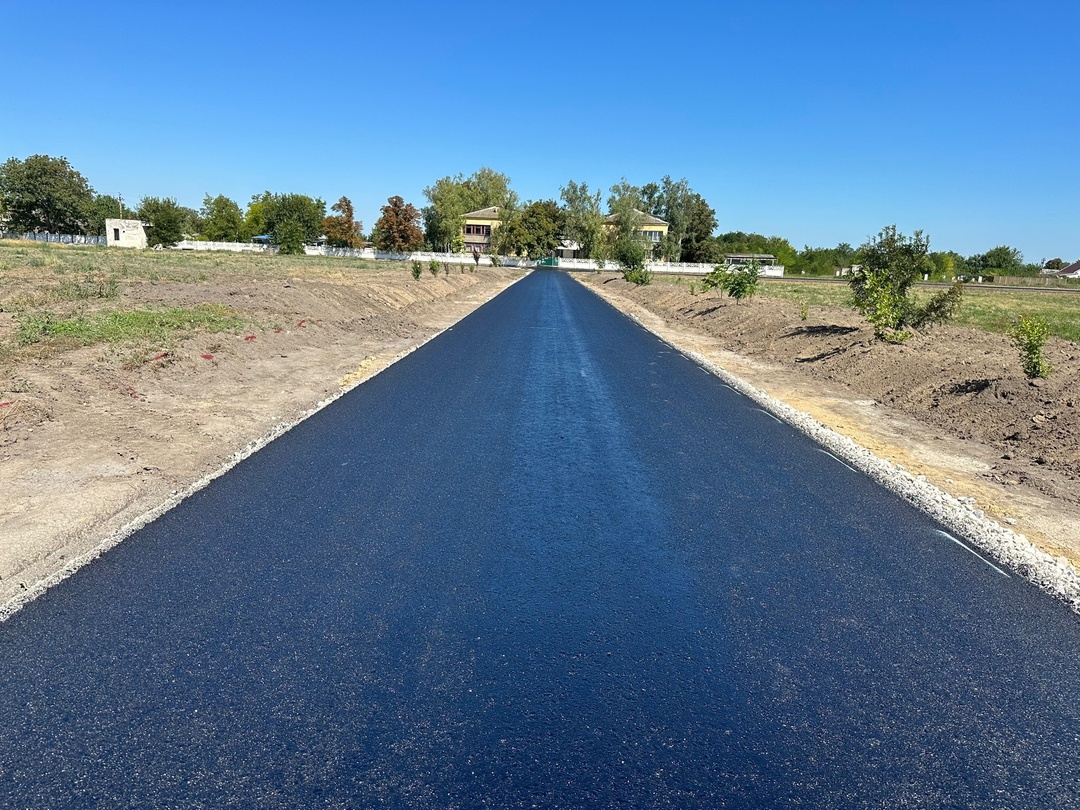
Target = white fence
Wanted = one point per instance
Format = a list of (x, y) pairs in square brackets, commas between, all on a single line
[(667, 268), (662, 268), (235, 247), (57, 238)]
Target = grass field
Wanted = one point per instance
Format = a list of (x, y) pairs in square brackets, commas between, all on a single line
[(983, 307), (72, 295)]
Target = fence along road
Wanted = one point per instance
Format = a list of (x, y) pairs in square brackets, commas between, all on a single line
[(544, 561)]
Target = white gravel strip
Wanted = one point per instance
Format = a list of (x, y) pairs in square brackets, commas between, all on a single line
[(1056, 575), (17, 602)]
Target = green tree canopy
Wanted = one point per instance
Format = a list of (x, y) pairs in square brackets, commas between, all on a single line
[(1001, 260), (292, 219), (397, 229), (450, 198), (533, 232), (584, 221), (44, 193), (166, 218), (257, 217), (697, 242), (625, 220), (813, 261), (222, 220), (102, 208), (739, 242)]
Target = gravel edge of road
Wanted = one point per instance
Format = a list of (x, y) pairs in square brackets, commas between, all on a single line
[(111, 541), (1055, 575)]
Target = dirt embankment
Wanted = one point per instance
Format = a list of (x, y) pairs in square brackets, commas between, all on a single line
[(92, 438), (952, 404)]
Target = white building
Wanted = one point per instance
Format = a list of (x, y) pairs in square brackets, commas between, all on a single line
[(125, 233)]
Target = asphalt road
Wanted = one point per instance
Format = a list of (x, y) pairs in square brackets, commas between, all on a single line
[(545, 561)]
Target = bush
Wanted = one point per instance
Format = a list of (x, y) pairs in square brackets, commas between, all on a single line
[(1029, 336), (717, 279), (417, 269), (880, 289), (433, 268), (641, 276), (739, 283), (743, 283)]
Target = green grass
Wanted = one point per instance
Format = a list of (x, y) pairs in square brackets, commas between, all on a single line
[(112, 327), (987, 308)]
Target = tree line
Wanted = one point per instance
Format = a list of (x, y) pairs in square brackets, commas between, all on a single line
[(43, 193)]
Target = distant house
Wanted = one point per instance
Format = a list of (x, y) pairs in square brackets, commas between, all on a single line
[(652, 229), (1072, 271), (129, 233), (476, 231)]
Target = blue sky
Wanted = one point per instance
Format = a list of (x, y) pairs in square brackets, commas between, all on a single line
[(820, 121)]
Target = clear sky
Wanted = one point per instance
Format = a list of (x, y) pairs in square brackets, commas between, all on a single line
[(817, 120)]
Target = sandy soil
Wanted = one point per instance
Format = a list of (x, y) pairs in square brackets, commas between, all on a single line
[(952, 405), (92, 439)]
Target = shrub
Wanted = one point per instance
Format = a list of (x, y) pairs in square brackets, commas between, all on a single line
[(641, 276), (739, 283), (417, 269), (743, 283), (1029, 336), (433, 268), (880, 289), (718, 279)]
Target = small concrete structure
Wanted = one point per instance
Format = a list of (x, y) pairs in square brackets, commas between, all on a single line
[(125, 233)]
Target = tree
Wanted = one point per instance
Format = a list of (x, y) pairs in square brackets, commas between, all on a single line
[(533, 232), (670, 201), (739, 242), (697, 243), (292, 219), (44, 193), (1001, 260), (1054, 264), (624, 245), (584, 222), (343, 231), (450, 198), (166, 220), (221, 219), (823, 261), (258, 216), (102, 208), (398, 229), (880, 289)]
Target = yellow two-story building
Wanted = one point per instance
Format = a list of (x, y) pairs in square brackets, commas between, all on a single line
[(476, 231), (651, 230)]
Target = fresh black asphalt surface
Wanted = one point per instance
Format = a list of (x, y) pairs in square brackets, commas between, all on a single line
[(544, 561)]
